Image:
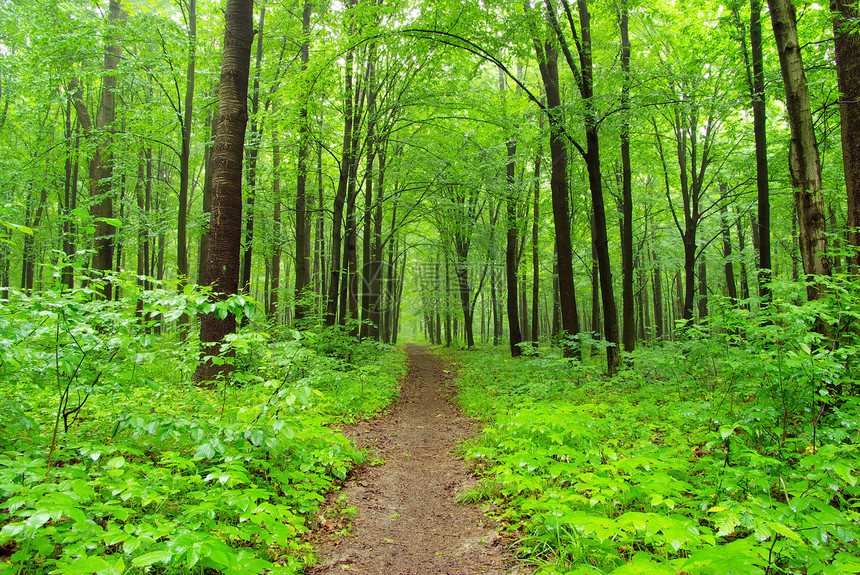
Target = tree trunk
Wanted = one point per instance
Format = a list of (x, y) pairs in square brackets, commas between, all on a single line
[(185, 121), (847, 41), (703, 287), (203, 255), (760, 131), (101, 164), (535, 245), (731, 286), (658, 291), (347, 158), (627, 313), (70, 200), (272, 309), (511, 259), (548, 62), (253, 152), (302, 237), (804, 162), (222, 267)]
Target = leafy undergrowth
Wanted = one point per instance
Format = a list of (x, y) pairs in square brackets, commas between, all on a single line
[(704, 459), (152, 474)]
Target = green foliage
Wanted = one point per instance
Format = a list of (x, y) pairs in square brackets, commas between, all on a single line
[(724, 454), (111, 461)]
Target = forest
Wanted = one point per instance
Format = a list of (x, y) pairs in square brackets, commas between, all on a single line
[(631, 227)]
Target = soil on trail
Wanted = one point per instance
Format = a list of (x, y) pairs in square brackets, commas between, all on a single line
[(407, 519)]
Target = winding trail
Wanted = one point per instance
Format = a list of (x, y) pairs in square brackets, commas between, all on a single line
[(407, 520)]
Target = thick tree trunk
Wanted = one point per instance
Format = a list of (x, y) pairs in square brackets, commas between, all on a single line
[(222, 269), (845, 33), (548, 62), (804, 161)]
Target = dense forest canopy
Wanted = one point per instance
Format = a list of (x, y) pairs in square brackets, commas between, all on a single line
[(384, 139), (234, 188)]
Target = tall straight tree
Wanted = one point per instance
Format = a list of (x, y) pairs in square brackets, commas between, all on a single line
[(803, 159), (583, 73), (253, 152), (185, 119), (627, 312), (847, 42), (303, 239), (755, 81), (225, 228), (347, 159), (101, 163), (512, 236), (547, 56)]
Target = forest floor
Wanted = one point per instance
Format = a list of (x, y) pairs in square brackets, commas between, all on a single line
[(406, 519)]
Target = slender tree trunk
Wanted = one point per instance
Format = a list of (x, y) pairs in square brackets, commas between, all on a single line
[(595, 287), (511, 259), (627, 271), (302, 237), (203, 255), (658, 291), (703, 287), (185, 121), (448, 335), (101, 163), (731, 286), (595, 181), (367, 266), (760, 130), (745, 289), (535, 240), (347, 159), (272, 309), (222, 269), (319, 251), (69, 201)]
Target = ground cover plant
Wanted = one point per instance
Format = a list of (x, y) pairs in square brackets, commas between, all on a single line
[(112, 461), (732, 452)]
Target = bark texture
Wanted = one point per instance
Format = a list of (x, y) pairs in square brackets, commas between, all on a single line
[(803, 160), (222, 266)]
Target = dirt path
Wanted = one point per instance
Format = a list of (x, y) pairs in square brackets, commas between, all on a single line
[(407, 520)]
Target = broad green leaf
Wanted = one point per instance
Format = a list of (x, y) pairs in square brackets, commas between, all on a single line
[(150, 558)]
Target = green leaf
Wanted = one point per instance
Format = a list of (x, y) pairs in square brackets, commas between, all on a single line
[(115, 222), (18, 227), (785, 532), (150, 558), (85, 566)]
